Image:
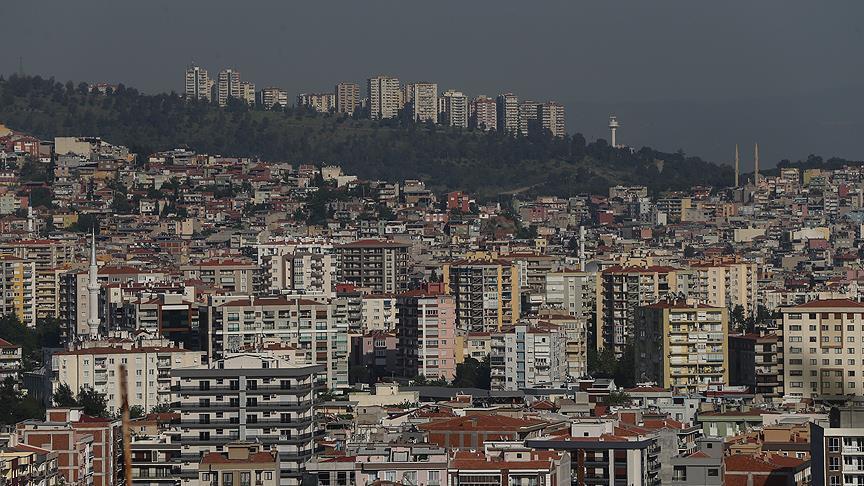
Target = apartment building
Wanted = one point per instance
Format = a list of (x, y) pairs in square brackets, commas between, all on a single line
[(320, 102), (10, 360), (487, 292), (49, 256), (682, 346), (507, 108), (484, 113), (549, 468), (18, 289), (379, 312), (529, 117), (575, 335), (528, 357), (823, 343), (228, 86), (198, 84), (379, 265), (424, 102), (89, 449), (229, 274), (301, 272), (572, 291), (756, 361), (246, 398), (607, 455), (427, 334), (385, 99), (621, 290), (454, 109), (726, 283), (271, 97), (147, 370), (241, 463), (552, 118), (247, 92), (399, 464), (28, 465), (347, 98), (318, 330)]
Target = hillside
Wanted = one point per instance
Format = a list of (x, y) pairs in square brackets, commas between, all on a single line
[(446, 158)]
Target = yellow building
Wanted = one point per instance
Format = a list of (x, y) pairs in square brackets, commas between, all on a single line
[(17, 286), (487, 293), (682, 346)]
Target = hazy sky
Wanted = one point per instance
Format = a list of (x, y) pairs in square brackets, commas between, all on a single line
[(689, 74)]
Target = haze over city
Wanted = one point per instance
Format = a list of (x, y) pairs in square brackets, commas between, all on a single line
[(679, 74)]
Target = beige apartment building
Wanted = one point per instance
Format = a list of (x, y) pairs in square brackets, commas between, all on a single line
[(487, 292), (385, 97), (823, 343), (682, 346), (18, 289), (241, 464), (48, 256), (347, 98), (148, 371), (726, 284)]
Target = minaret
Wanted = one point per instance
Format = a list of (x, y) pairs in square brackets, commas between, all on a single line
[(93, 290), (756, 167), (737, 166)]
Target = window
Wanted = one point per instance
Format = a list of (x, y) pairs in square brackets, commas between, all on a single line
[(245, 478), (834, 444), (227, 479), (268, 475), (713, 472)]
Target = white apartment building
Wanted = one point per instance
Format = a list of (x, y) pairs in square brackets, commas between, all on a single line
[(572, 291), (379, 312), (198, 84), (454, 108), (246, 397), (318, 330), (320, 102), (271, 97), (247, 92), (823, 343), (526, 357), (147, 371), (552, 118), (508, 113), (424, 102), (384, 97), (228, 86)]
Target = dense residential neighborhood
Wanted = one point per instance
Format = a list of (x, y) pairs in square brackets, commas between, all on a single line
[(297, 324)]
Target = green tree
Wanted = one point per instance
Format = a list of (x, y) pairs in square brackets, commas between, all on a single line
[(41, 197), (136, 411), (63, 397), (161, 408), (618, 398), (472, 373), (92, 402), (15, 406)]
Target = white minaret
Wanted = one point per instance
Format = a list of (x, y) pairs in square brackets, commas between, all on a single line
[(737, 166), (93, 290), (613, 126), (756, 166)]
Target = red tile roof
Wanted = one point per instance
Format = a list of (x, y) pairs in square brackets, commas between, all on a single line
[(830, 303)]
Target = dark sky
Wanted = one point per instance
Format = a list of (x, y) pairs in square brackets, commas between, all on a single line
[(695, 75)]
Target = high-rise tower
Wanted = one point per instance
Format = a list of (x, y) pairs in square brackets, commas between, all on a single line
[(756, 166), (613, 127), (93, 290), (737, 166)]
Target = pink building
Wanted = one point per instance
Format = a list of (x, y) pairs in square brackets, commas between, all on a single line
[(427, 334)]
